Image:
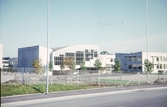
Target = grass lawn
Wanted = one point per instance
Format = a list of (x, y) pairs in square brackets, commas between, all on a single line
[(116, 81), (19, 89)]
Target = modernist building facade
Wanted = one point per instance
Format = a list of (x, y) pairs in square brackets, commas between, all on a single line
[(134, 62), (27, 55), (84, 52)]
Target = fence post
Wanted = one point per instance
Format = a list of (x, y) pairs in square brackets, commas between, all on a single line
[(106, 79), (138, 78), (23, 75), (99, 77), (121, 78)]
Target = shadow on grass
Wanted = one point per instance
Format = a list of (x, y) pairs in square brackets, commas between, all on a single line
[(35, 88)]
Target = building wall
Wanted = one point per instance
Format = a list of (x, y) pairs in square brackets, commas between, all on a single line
[(13, 62), (1, 54), (134, 62), (84, 50), (5, 62), (43, 55), (27, 55), (159, 60), (107, 61)]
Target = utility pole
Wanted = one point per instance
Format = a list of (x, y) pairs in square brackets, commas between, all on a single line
[(47, 46)]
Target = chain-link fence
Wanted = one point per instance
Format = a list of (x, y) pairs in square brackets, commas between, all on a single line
[(90, 77)]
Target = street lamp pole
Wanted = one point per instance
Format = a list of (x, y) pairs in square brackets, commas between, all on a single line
[(47, 46)]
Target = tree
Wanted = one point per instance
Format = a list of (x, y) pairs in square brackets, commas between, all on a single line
[(82, 65), (98, 64), (50, 66), (68, 63), (148, 66), (37, 64), (117, 65), (62, 66)]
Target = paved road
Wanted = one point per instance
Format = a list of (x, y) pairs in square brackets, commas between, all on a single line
[(139, 96)]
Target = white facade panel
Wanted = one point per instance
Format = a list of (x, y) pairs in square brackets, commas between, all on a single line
[(43, 55)]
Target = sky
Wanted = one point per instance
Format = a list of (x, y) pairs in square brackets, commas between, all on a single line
[(117, 26)]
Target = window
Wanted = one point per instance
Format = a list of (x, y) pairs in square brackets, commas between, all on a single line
[(58, 60), (130, 58), (139, 66), (134, 66), (139, 58), (161, 58), (164, 66), (157, 58), (157, 66), (134, 58), (79, 57), (95, 54), (111, 60), (130, 66), (160, 66)]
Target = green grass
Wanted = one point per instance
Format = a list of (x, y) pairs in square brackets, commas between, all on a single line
[(19, 89), (116, 81)]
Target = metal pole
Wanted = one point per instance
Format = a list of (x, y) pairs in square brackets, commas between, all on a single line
[(147, 47), (99, 77), (121, 77), (147, 42), (47, 46)]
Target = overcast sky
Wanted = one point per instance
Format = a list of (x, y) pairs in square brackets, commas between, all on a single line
[(115, 25)]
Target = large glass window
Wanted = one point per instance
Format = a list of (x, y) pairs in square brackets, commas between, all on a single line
[(79, 57), (58, 60), (88, 54), (69, 54), (95, 54)]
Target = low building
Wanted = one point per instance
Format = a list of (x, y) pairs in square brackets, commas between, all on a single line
[(27, 55), (5, 62), (84, 52), (107, 60), (134, 62), (13, 62)]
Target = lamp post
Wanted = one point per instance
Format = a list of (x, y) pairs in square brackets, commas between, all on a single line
[(47, 46)]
